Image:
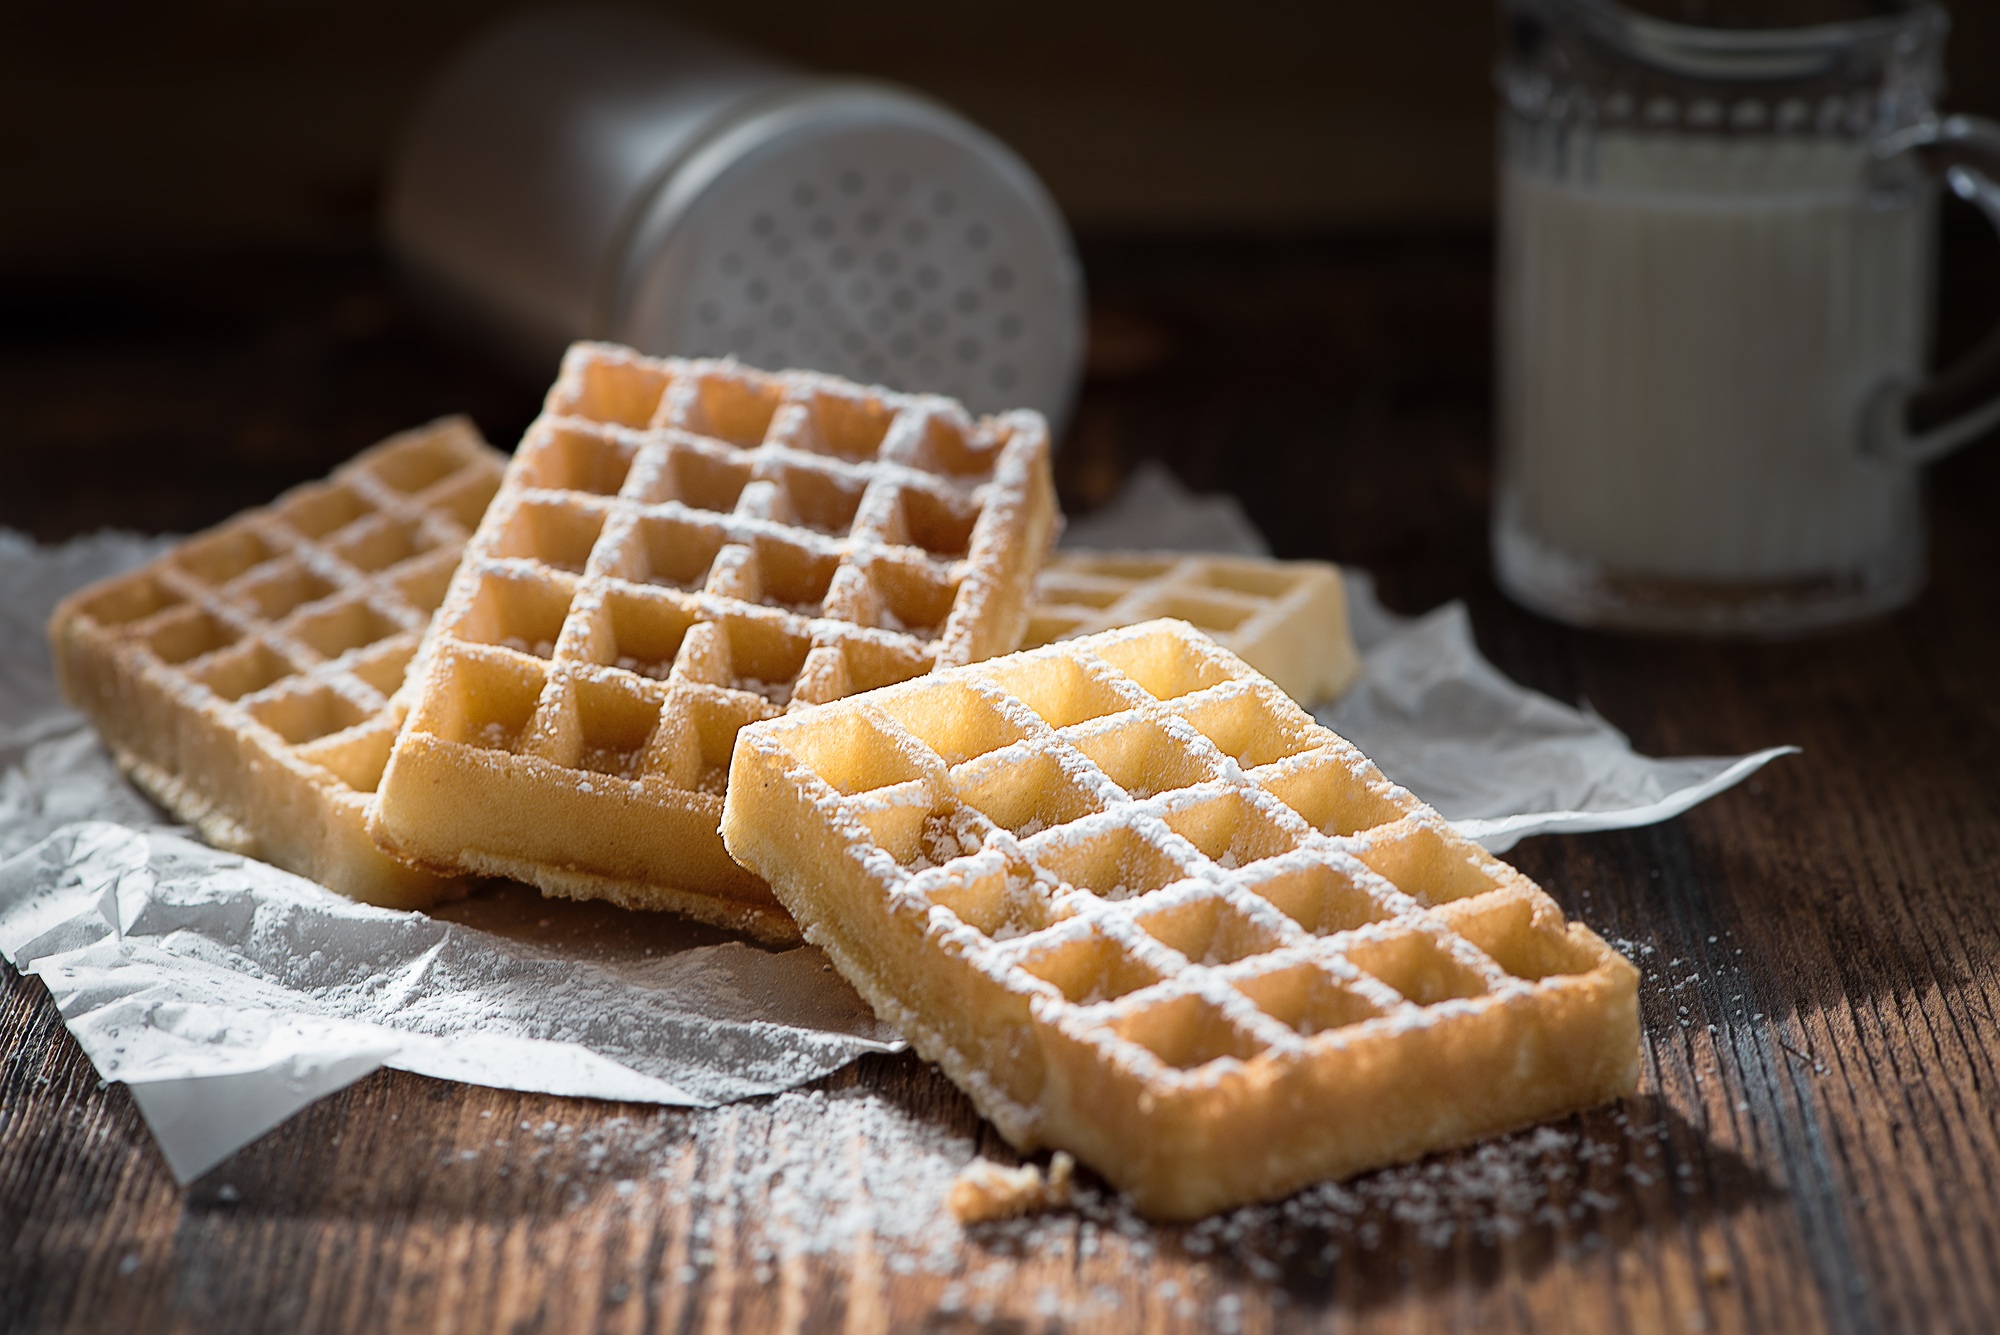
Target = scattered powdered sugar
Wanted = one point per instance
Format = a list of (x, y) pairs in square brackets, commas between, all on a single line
[(848, 1173)]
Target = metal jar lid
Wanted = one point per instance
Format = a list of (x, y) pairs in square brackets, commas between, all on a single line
[(604, 173)]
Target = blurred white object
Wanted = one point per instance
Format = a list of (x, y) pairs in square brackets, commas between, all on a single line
[(599, 172), (1716, 279)]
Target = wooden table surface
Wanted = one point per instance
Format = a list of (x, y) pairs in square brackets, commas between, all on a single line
[(1816, 1140)]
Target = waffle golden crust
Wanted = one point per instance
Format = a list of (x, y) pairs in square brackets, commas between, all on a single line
[(249, 679), (1287, 619), (681, 548), (1140, 907)]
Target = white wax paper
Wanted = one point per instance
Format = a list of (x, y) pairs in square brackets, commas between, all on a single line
[(228, 994)]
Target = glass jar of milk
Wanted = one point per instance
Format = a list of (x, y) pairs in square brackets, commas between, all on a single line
[(1716, 274)]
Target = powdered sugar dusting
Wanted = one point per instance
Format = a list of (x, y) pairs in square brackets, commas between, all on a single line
[(858, 1179)]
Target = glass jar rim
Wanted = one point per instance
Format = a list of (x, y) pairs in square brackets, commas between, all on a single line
[(1728, 54)]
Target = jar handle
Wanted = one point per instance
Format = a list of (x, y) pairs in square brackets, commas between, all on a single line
[(1907, 425)]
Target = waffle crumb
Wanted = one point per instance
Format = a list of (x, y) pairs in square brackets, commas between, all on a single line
[(986, 1190)]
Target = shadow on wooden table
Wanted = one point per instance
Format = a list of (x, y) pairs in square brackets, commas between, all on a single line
[(1502, 1210)]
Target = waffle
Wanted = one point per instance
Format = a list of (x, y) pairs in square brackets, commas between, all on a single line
[(1140, 907), (249, 678), (1287, 619), (680, 548)]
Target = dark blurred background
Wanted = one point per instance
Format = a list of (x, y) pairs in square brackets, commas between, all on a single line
[(1285, 215)]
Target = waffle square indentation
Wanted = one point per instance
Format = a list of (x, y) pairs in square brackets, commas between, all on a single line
[(916, 597), (416, 466), (1417, 967), (1002, 904), (793, 576), (1252, 727), (1209, 930), (1062, 690), (1186, 1032), (954, 721), (940, 527), (188, 633), (221, 557), (279, 587), (343, 626), (624, 390), (306, 714), (1089, 968), (1320, 897), (849, 425), (1335, 791), (124, 601), (733, 406), (1142, 757), (560, 536), (323, 508), (386, 664), (422, 584), (954, 447), (1166, 667), (703, 479), (247, 667), (1307, 1000), (464, 499), (645, 633), (1429, 864), (1525, 936), (821, 500), (564, 458), (1229, 828), (525, 615), (1110, 860), (1023, 791), (486, 701), (381, 543), (765, 656), (671, 551), (615, 723), (855, 754)]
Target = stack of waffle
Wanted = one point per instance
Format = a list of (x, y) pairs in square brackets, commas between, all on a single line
[(743, 646)]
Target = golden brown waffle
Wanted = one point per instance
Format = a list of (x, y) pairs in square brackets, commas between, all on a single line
[(248, 679), (681, 548), (1287, 619), (1139, 906)]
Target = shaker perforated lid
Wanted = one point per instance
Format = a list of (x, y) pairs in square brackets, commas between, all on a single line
[(603, 173), (866, 232)]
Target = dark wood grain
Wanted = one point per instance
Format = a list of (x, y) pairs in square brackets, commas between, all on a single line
[(1816, 1142)]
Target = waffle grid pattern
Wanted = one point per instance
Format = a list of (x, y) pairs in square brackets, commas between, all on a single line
[(1287, 619), (681, 548), (1142, 908), (249, 678)]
